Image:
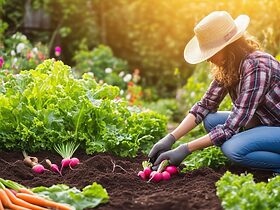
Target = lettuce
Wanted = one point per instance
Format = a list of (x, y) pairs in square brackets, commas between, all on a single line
[(90, 197)]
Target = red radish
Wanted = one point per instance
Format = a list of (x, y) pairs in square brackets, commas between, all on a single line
[(73, 162), (142, 175), (66, 151), (53, 167), (156, 176), (165, 175), (171, 170), (38, 168), (147, 171), (33, 162)]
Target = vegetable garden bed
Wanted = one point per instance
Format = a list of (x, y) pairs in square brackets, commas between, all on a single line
[(193, 190)]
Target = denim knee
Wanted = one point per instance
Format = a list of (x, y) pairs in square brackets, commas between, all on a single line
[(206, 122), (232, 151)]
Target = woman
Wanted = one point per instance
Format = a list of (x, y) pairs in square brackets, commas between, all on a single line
[(249, 134)]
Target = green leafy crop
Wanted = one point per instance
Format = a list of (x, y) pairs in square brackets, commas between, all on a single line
[(47, 106), (242, 193)]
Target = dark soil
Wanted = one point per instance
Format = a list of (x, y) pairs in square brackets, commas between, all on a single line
[(193, 190)]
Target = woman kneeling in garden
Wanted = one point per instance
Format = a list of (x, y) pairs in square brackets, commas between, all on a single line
[(249, 134)]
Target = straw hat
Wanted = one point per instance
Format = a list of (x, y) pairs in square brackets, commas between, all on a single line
[(212, 34)]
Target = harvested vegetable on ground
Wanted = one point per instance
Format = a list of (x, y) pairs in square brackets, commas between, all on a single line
[(20, 202), (42, 201), (33, 163), (15, 186), (90, 197), (163, 172), (53, 167), (7, 202), (146, 170), (66, 151)]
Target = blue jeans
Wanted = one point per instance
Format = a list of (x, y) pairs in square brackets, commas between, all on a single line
[(258, 147)]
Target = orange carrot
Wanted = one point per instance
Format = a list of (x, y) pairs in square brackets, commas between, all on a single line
[(25, 190), (20, 202), (7, 203), (42, 201), (1, 205)]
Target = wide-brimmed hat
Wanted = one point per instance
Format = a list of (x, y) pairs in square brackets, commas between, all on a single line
[(212, 34)]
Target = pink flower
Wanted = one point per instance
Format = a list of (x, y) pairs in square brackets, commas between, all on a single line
[(1, 62), (57, 51)]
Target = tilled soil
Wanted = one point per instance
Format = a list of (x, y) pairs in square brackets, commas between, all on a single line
[(193, 190)]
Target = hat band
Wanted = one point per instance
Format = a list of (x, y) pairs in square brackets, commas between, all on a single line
[(216, 43)]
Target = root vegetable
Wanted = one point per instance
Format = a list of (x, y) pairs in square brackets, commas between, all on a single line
[(7, 202), (33, 163), (38, 168), (171, 169), (156, 176), (20, 202), (53, 167), (73, 162), (147, 171), (42, 202), (142, 175), (66, 151), (165, 175)]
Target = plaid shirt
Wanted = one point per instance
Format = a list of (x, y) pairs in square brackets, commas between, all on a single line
[(257, 94)]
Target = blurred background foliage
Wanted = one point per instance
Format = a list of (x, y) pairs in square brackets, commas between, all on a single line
[(149, 34)]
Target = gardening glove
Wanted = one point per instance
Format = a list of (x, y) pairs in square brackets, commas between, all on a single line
[(175, 156), (161, 146)]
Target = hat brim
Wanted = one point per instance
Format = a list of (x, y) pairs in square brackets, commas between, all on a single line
[(193, 54)]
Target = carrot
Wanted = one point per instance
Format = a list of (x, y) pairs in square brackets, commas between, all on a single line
[(42, 201), (7, 203), (20, 202), (25, 190), (1, 205)]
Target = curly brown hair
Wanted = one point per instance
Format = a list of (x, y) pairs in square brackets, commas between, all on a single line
[(228, 74)]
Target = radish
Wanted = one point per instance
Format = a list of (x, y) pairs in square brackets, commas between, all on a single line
[(38, 168), (171, 170), (53, 167), (147, 168), (33, 162), (142, 175), (66, 151), (165, 175), (156, 176), (73, 162)]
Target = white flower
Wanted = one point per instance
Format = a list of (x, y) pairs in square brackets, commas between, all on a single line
[(20, 47), (15, 61), (121, 92), (91, 74), (13, 53), (108, 70), (35, 50), (127, 78), (121, 74)]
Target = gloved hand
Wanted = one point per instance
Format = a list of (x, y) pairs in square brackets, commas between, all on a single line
[(161, 146), (175, 156)]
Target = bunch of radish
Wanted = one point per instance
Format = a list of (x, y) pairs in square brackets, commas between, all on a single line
[(164, 171), (66, 151)]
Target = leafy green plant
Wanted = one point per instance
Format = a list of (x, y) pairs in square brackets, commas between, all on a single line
[(47, 106), (211, 157), (241, 192), (90, 196)]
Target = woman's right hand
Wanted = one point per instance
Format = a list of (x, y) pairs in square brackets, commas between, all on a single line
[(161, 146)]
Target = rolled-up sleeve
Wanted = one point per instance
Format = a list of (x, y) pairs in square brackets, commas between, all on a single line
[(254, 84), (210, 101)]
